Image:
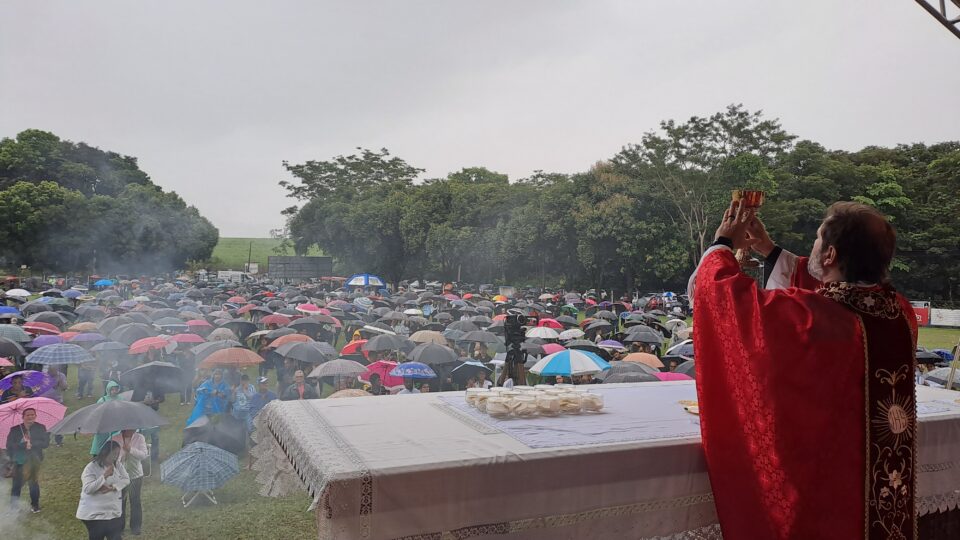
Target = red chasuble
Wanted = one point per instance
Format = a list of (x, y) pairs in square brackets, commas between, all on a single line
[(807, 406)]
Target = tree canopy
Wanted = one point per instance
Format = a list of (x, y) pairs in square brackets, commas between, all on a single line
[(71, 207), (639, 219)]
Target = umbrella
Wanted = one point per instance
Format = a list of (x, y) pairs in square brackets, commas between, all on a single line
[(923, 357), (6, 362), (687, 368), (148, 344), (187, 338), (103, 283), (599, 324), (383, 369), (468, 370), (542, 332), (673, 376), (222, 334), (432, 354), (109, 346), (312, 352), (37, 381), (463, 326), (131, 332), (354, 347), (644, 358), (413, 370), (14, 333), (279, 320), (236, 357), (41, 328), (49, 317), (285, 340), (570, 362), (428, 336), (621, 368), (550, 348), (109, 417), (159, 377), (611, 345), (479, 336), (89, 337), (199, 468), (60, 353), (49, 412), (945, 354), (18, 293), (43, 341), (642, 334), (339, 368), (684, 348), (387, 342), (630, 378), (365, 280)]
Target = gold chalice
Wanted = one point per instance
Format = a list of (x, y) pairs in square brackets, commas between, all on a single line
[(748, 198)]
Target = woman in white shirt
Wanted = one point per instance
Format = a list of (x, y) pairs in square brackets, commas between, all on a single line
[(133, 450), (101, 503)]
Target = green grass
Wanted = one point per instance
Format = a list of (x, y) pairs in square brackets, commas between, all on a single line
[(233, 252), (938, 338), (242, 512)]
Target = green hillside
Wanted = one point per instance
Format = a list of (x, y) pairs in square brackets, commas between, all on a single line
[(231, 253)]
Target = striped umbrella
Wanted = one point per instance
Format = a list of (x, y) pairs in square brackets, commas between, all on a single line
[(570, 362), (339, 368), (14, 333), (199, 467), (59, 354)]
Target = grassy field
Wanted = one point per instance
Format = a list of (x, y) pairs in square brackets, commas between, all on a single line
[(242, 512), (939, 338), (233, 252)]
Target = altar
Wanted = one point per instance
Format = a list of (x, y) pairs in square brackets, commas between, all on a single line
[(429, 466)]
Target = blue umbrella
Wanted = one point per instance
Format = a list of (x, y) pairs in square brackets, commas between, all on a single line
[(364, 280), (570, 362), (60, 353), (103, 283), (943, 353), (10, 309), (72, 294), (413, 370), (199, 467)]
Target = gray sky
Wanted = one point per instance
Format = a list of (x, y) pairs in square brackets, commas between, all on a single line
[(212, 96)]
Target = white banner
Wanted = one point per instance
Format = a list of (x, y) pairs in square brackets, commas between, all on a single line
[(945, 317)]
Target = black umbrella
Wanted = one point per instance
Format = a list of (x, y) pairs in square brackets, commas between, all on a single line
[(443, 317), (108, 417), (11, 348), (313, 352), (159, 377), (388, 342), (599, 324), (642, 334), (463, 326), (687, 368), (927, 357), (240, 327), (468, 370), (129, 333), (567, 321), (630, 378), (223, 431), (479, 336), (623, 368), (50, 317), (279, 332), (432, 354), (306, 324)]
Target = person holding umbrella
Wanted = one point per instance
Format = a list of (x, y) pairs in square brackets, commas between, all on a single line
[(101, 499), (133, 450), (17, 390), (25, 444), (408, 387)]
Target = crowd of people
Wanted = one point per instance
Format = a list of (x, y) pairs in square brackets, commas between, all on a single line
[(255, 317)]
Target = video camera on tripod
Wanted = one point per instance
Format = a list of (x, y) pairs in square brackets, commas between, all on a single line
[(514, 335)]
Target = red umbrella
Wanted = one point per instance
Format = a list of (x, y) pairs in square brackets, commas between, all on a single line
[(236, 300), (5, 362), (246, 309), (199, 323), (550, 323), (277, 319), (187, 338), (237, 357), (67, 336), (49, 412), (308, 308), (550, 348), (501, 317), (141, 346), (383, 368), (37, 327), (354, 347)]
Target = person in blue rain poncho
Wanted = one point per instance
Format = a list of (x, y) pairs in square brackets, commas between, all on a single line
[(211, 397)]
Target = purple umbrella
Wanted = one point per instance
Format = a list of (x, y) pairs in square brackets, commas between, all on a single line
[(37, 380), (610, 344), (91, 337), (43, 341)]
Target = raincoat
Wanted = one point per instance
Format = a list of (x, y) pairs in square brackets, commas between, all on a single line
[(101, 438), (207, 401)]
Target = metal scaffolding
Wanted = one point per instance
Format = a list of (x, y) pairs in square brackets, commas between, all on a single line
[(948, 15)]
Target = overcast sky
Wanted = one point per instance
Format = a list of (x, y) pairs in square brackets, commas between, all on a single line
[(213, 96)]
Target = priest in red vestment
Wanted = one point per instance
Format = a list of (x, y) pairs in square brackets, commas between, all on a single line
[(806, 386)]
